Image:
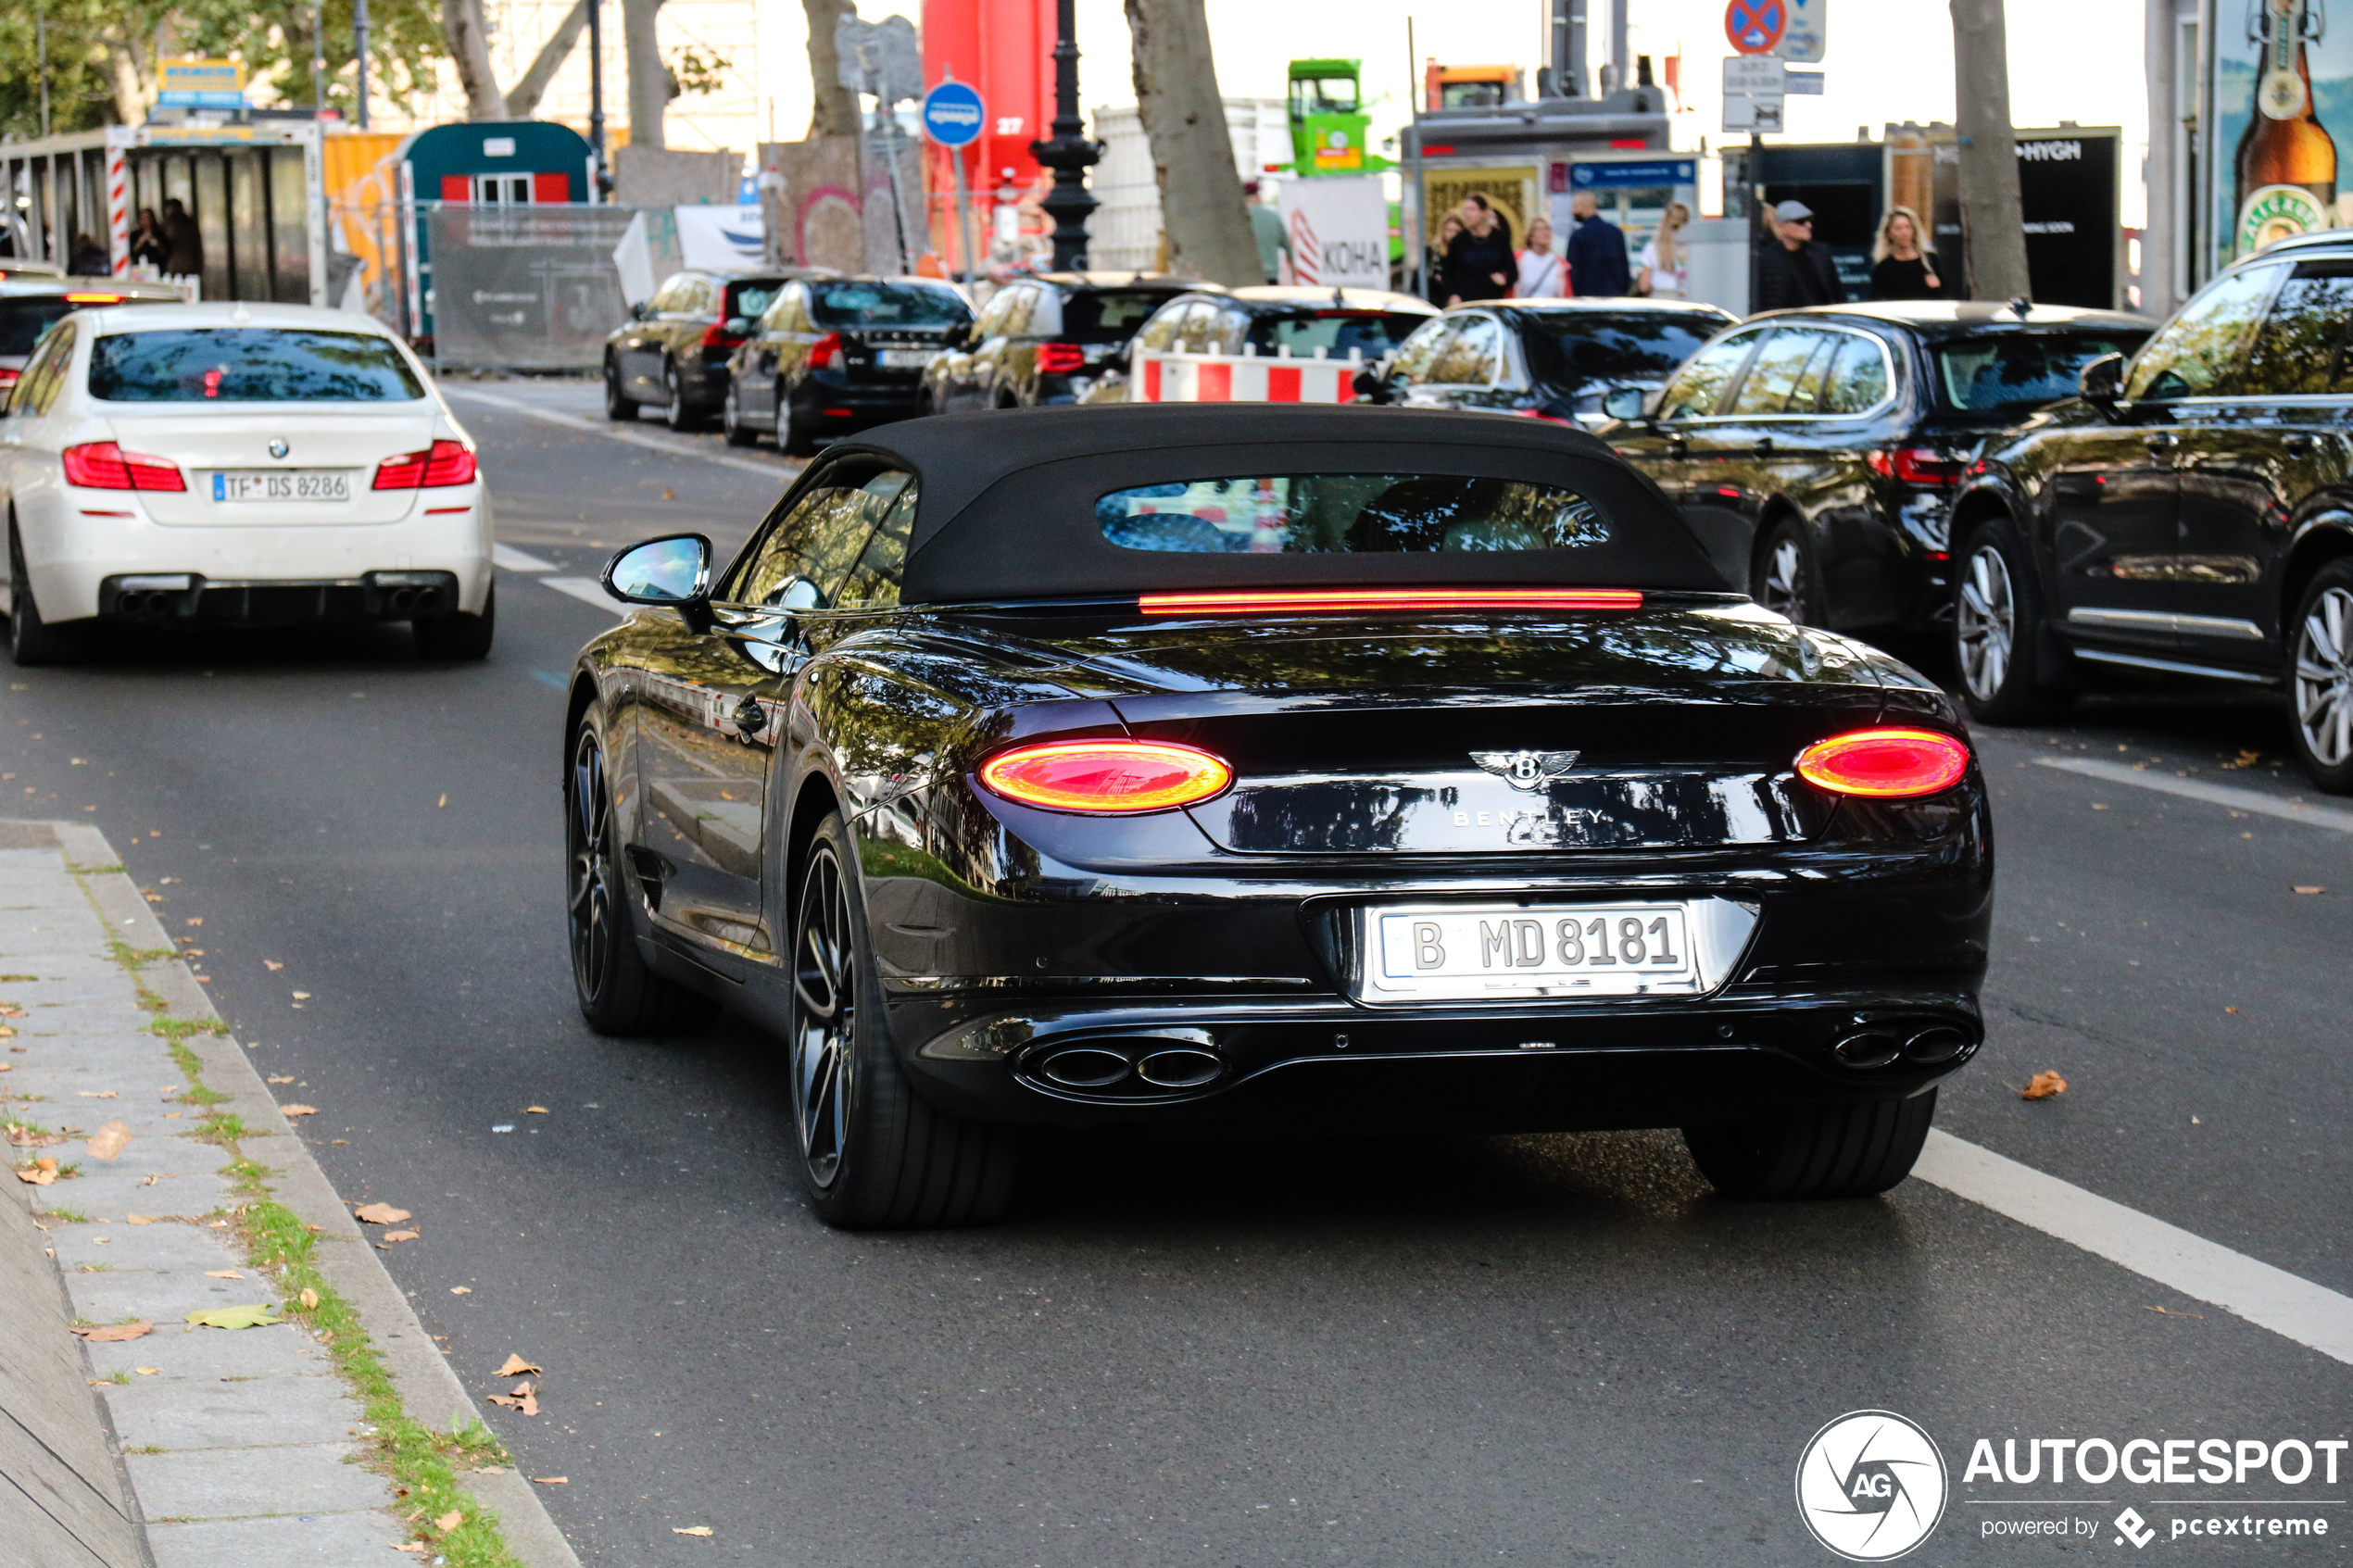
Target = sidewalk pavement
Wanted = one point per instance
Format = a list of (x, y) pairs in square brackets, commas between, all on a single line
[(203, 1448)]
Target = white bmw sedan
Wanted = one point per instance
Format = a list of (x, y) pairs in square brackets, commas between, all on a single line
[(237, 464)]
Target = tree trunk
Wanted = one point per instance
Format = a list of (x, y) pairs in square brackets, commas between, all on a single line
[(1992, 220), (2165, 226), (135, 78), (526, 94), (649, 85), (1200, 195), (469, 41), (832, 110)]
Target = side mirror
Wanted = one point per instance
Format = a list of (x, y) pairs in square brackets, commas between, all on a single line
[(674, 571), (1623, 403), (2102, 383)]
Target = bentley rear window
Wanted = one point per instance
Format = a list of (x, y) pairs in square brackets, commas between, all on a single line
[(1350, 514)]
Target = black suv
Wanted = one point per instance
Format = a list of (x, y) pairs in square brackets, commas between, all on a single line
[(1817, 452), (837, 355), (2191, 512), (673, 352), (1046, 339), (1555, 359), (1273, 319)]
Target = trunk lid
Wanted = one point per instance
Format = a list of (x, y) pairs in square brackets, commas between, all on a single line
[(206, 442)]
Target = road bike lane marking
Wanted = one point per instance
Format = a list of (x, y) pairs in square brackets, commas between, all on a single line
[(2297, 1308), (512, 560), (783, 471), (2231, 795)]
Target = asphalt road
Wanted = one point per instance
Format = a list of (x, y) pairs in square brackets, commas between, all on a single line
[(1524, 1350)]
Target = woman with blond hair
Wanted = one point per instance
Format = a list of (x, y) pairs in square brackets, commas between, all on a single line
[(1665, 265), (1542, 273), (1434, 258), (1901, 268)]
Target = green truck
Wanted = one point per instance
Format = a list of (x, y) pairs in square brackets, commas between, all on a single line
[(1328, 126)]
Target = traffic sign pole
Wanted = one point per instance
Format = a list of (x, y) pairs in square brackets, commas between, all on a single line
[(952, 116)]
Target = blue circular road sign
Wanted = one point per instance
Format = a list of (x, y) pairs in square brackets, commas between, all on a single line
[(953, 114)]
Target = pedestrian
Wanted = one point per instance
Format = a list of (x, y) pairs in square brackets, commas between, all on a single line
[(185, 239), (1267, 228), (1480, 263), (88, 259), (1434, 258), (1665, 264), (1542, 273), (1901, 268), (149, 247), (1795, 268), (1596, 251)]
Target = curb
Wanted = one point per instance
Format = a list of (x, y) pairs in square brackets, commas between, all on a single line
[(428, 1386)]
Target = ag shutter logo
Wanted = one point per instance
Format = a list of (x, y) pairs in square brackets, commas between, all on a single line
[(1870, 1486)]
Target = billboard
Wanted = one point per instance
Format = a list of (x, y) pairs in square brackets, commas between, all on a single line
[(1339, 229), (2279, 83)]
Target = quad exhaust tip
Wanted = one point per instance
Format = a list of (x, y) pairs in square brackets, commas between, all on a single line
[(1140, 1067), (1882, 1047)]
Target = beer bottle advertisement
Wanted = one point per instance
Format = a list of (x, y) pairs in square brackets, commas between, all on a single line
[(2283, 92)]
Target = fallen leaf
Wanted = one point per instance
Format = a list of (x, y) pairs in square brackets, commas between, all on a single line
[(2311, 890), (37, 1175), (273, 965), (552, 1480), (400, 1236), (461, 1290), (516, 1366), (298, 1111), (440, 803), (25, 1138), (690, 1529), (146, 1371), (449, 1520), (2043, 1085), (2168, 1312), (417, 1547), (100, 1094), (2229, 1009), (380, 1215), (302, 996), (115, 1332), (287, 1079), (140, 1219), (672, 495), (535, 1111), (258, 1316), (109, 1141), (7, 1067), (199, 921), (222, 1273)]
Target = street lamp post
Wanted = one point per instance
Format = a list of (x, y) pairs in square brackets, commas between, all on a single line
[(1067, 152), (359, 50), (603, 184)]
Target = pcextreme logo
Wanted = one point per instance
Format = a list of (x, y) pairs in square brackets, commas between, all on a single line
[(1870, 1486)]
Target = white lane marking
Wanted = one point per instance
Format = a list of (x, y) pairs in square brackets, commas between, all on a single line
[(2199, 789), (778, 471), (2310, 1314), (587, 590), (518, 561)]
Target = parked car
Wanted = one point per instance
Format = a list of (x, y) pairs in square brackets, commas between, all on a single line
[(672, 354), (1045, 340), (1546, 359), (1272, 319), (2192, 513), (237, 463), (1009, 785), (836, 355), (1817, 452), (31, 301)]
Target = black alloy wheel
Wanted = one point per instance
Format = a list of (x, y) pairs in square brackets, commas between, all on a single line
[(618, 407), (874, 1155), (675, 413), (618, 994), (2000, 644), (2320, 678), (32, 641), (792, 432), (1784, 579), (1815, 1151), (460, 635), (731, 419)]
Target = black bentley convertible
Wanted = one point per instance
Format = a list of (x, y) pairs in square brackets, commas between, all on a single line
[(1272, 767)]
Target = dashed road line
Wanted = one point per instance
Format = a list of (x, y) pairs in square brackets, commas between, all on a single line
[(506, 556), (2310, 1314), (587, 590), (2199, 789), (779, 472)]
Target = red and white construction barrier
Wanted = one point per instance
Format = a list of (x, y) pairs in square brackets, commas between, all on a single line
[(1160, 376), (118, 210)]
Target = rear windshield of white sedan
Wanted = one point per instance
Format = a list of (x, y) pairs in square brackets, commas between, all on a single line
[(250, 365)]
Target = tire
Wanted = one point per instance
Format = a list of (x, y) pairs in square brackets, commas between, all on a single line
[(731, 420), (460, 635), (618, 407), (2320, 678), (1785, 578), (1814, 1151), (618, 994), (2003, 650), (873, 1156), (675, 413), (792, 437), (32, 641)]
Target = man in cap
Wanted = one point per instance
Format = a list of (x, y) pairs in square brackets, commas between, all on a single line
[(1795, 269)]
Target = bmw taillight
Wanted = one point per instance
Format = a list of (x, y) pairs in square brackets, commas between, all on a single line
[(1915, 465), (102, 465), (445, 463), (1059, 358), (1885, 764), (1106, 777), (825, 351)]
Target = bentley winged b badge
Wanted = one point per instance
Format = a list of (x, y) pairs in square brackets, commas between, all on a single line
[(1527, 770)]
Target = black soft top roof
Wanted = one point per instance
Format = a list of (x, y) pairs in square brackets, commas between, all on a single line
[(1006, 508)]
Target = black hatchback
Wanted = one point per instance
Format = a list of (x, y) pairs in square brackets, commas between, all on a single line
[(1816, 452), (1555, 359), (837, 355)]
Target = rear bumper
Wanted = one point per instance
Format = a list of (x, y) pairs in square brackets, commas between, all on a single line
[(822, 405), (184, 599)]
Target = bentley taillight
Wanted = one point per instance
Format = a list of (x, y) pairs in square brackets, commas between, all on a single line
[(1110, 777), (1885, 764), (102, 465)]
